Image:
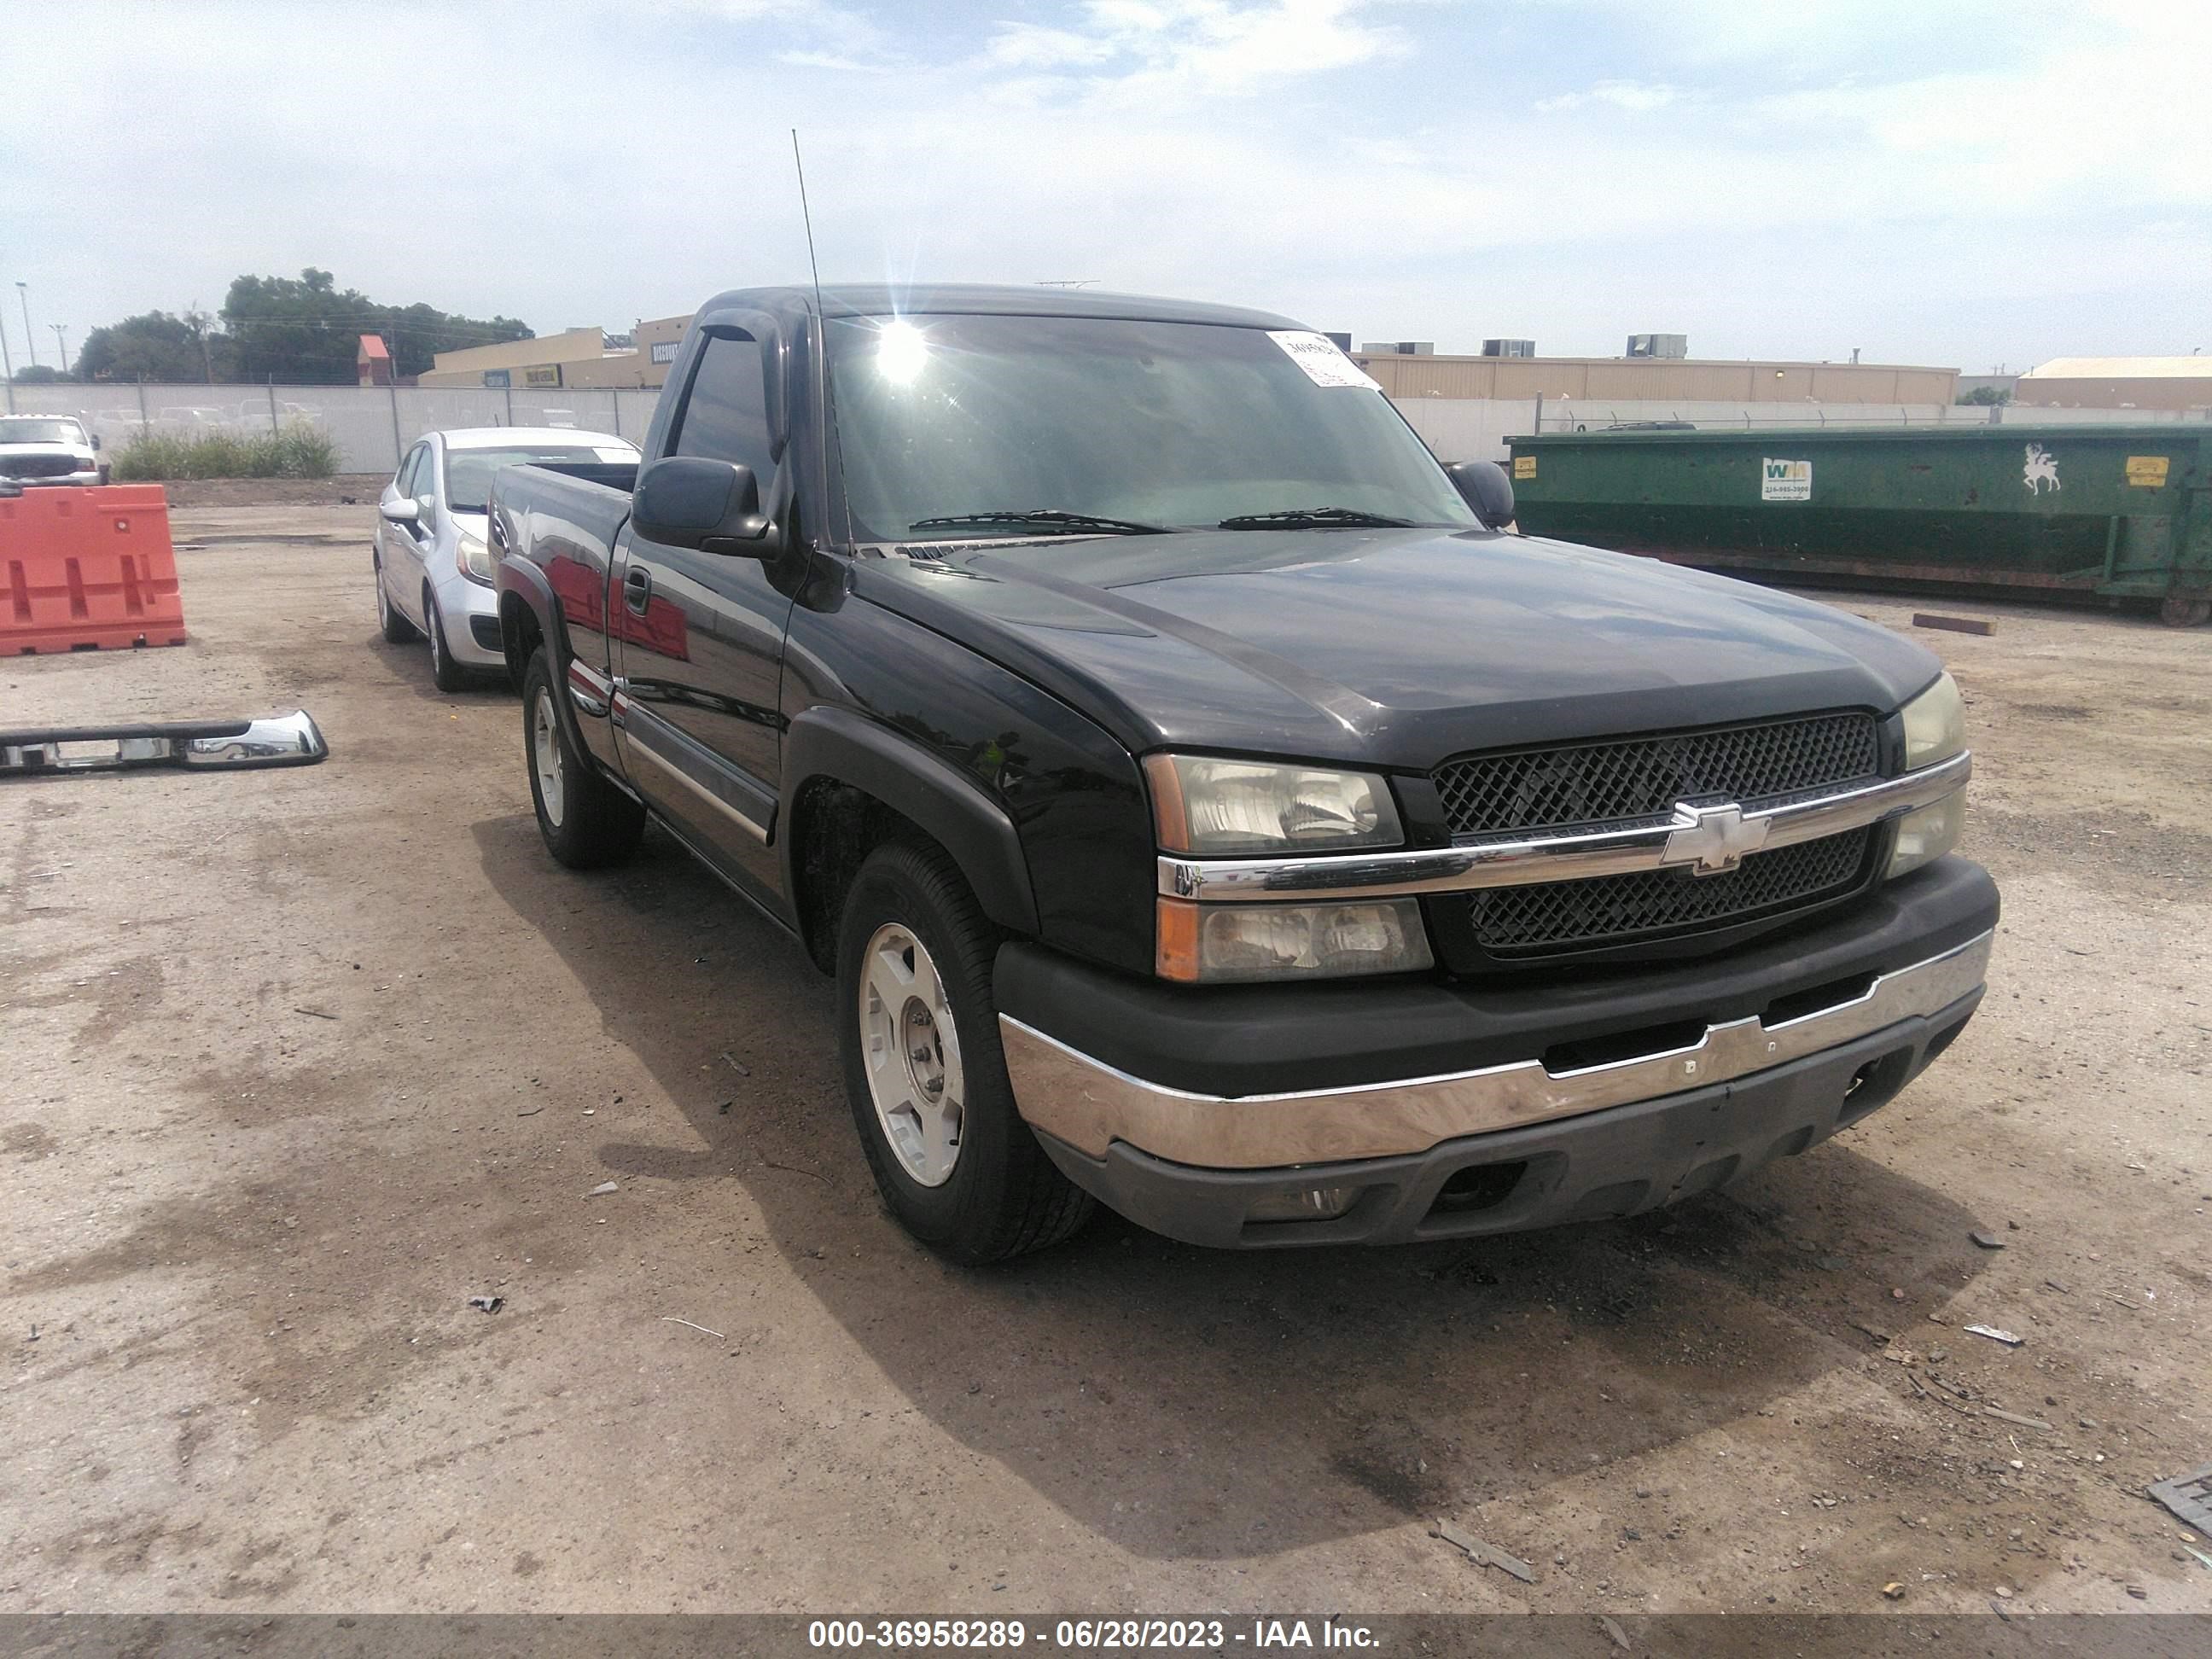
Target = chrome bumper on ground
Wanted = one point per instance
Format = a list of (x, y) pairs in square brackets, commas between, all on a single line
[(292, 739), (1089, 1105)]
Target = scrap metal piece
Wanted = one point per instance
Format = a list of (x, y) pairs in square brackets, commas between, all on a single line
[(2189, 1495), (1485, 1555), (1997, 1335), (292, 739)]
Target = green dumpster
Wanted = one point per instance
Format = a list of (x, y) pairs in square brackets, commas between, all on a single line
[(2112, 513)]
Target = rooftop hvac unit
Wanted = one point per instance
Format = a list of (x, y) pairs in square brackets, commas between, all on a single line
[(1658, 345), (1509, 347), (1402, 348)]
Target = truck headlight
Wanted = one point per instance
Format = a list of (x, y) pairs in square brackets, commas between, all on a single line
[(475, 559), (1935, 724), (1224, 808), (1935, 730), (1225, 944)]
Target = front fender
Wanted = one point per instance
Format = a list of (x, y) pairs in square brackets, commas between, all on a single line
[(836, 744)]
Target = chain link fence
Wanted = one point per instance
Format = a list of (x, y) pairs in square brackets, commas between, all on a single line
[(372, 425)]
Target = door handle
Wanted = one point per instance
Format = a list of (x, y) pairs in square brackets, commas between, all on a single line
[(637, 588)]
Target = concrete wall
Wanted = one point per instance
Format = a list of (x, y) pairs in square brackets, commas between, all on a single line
[(372, 425)]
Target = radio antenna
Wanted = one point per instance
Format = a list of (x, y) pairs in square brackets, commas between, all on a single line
[(806, 214)]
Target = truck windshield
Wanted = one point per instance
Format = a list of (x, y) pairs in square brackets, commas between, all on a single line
[(21, 430), (469, 471), (1182, 425)]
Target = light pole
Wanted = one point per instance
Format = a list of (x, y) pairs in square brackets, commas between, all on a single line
[(61, 342), (31, 340)]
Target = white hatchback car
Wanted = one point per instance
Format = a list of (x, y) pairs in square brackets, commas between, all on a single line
[(433, 572)]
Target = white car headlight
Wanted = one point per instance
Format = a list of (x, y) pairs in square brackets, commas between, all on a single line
[(1935, 724), (1229, 808), (1935, 730), (475, 558)]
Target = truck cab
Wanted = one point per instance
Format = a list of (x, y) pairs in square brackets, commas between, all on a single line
[(1207, 803)]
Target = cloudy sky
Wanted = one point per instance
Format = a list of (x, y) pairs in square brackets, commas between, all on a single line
[(1959, 182)]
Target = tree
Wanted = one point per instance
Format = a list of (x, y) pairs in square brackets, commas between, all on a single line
[(38, 375), (156, 346), (306, 330), (1984, 395)]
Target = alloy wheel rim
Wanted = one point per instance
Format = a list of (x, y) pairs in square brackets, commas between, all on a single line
[(545, 757), (911, 1051)]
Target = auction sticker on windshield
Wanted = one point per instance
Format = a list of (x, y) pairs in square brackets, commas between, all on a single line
[(1324, 363)]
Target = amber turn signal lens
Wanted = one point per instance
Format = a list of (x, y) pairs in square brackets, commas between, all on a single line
[(1177, 955)]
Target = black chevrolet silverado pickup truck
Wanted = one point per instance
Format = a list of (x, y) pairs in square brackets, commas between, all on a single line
[(1205, 800)]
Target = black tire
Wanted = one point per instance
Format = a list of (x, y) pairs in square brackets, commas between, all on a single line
[(446, 674), (391, 622), (590, 823), (1004, 1197)]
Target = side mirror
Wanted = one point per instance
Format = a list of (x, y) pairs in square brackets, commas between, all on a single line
[(688, 500), (400, 512), (95, 440), (1484, 486)]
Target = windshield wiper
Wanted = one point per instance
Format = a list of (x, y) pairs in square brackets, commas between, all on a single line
[(1297, 517), (1055, 517)]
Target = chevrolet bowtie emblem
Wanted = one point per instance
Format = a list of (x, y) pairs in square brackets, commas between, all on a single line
[(1712, 838)]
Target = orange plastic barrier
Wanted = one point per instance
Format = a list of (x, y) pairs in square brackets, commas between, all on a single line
[(88, 569)]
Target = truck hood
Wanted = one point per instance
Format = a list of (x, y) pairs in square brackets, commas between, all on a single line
[(1392, 647)]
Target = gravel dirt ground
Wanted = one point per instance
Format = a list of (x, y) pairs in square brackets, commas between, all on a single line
[(299, 1061)]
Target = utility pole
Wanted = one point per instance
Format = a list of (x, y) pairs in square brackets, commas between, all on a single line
[(30, 339), (61, 340), (8, 371)]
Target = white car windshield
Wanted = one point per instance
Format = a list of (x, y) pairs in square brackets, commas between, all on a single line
[(23, 429), (469, 471), (966, 426)]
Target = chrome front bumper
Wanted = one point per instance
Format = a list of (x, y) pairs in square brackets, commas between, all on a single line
[(1089, 1105), (292, 739)]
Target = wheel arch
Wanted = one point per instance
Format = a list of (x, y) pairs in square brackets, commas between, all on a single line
[(849, 784)]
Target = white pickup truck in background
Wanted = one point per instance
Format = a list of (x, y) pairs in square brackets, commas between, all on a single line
[(49, 449)]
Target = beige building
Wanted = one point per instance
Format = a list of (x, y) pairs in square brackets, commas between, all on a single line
[(1689, 379), (2118, 383), (575, 357)]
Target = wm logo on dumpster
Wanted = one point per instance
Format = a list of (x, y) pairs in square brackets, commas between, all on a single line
[(1783, 480)]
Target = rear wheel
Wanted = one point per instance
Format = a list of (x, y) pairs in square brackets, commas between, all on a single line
[(586, 820), (924, 1073), (449, 675), (395, 627)]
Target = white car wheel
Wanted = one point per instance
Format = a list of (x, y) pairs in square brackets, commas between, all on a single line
[(911, 1050)]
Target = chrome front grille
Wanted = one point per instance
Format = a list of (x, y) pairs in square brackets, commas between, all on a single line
[(1638, 779)]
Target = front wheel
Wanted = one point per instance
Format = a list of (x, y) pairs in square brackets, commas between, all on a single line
[(924, 1073), (586, 820), (448, 675)]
